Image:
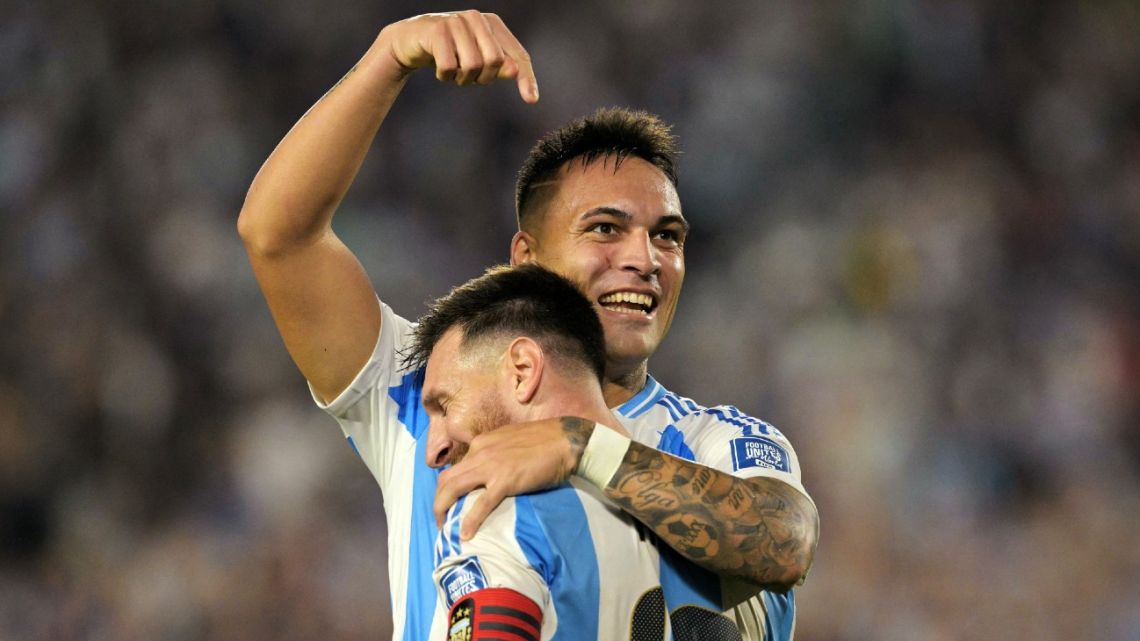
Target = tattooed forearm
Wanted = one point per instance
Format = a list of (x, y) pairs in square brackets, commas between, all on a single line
[(578, 432), (759, 529)]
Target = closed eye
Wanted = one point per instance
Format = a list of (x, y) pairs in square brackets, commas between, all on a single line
[(435, 404)]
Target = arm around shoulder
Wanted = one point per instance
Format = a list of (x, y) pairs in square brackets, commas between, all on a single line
[(760, 529)]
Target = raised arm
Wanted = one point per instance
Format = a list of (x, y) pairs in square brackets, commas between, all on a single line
[(758, 529), (320, 297)]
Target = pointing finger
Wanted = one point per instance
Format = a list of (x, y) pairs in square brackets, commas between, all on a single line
[(528, 84)]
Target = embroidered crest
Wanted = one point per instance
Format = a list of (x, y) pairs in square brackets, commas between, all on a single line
[(461, 623)]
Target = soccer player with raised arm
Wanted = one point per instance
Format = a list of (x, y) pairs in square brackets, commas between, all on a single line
[(597, 203)]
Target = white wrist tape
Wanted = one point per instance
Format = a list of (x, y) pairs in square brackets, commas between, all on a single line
[(602, 455)]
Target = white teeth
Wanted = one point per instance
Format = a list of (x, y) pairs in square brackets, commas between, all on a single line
[(642, 300)]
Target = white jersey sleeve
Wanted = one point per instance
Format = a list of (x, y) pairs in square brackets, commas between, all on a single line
[(492, 558), (362, 411), (721, 437), (725, 439), (381, 414)]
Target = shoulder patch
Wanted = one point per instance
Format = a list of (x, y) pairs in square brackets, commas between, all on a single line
[(462, 580), (757, 451)]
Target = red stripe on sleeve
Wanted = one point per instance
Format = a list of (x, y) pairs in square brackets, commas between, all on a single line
[(495, 613)]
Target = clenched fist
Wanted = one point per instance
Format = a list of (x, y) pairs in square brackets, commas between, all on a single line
[(464, 47)]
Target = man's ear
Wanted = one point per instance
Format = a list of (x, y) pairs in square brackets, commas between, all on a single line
[(523, 247), (525, 363)]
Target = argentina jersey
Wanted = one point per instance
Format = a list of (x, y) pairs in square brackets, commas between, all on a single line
[(589, 568), (724, 438), (382, 417)]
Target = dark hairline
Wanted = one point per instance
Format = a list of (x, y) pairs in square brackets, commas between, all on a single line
[(609, 132), (533, 209)]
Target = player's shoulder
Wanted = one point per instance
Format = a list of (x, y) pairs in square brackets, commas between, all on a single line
[(499, 525), (665, 408), (701, 416)]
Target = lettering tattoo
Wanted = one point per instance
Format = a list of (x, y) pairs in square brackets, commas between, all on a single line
[(649, 491), (758, 529)]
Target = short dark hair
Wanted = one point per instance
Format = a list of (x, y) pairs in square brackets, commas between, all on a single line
[(610, 132), (526, 300)]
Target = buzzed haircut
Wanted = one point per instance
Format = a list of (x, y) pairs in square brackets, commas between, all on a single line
[(526, 300), (612, 132)]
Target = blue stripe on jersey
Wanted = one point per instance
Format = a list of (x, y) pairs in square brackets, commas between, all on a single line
[(453, 536), (643, 401), (673, 442), (449, 544), (684, 583), (781, 615), (552, 530), (723, 417), (419, 605), (732, 416), (761, 426), (669, 402), (744, 423)]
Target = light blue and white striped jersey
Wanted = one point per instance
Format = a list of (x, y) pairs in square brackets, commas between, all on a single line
[(588, 566), (383, 419)]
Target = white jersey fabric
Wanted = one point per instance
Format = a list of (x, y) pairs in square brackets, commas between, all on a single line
[(382, 417)]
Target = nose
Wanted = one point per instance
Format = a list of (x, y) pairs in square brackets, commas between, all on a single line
[(637, 253), (439, 446)]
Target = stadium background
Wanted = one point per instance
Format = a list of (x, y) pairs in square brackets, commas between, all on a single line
[(916, 251)]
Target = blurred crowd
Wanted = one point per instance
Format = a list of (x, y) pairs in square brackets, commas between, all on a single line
[(916, 250)]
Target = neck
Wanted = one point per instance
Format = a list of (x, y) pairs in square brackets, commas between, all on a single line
[(581, 398), (621, 385)]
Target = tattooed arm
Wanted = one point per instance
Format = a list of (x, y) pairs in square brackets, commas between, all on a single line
[(759, 529)]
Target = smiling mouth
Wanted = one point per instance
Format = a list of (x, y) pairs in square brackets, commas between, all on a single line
[(628, 303)]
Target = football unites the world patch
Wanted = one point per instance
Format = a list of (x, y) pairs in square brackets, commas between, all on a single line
[(462, 580), (757, 451)]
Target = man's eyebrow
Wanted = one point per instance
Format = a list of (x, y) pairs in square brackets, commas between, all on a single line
[(606, 211), (674, 219), (667, 219)]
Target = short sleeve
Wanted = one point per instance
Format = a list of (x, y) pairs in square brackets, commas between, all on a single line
[(743, 446), (492, 558), (374, 410)]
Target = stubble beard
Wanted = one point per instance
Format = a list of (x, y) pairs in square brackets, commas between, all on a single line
[(492, 415)]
